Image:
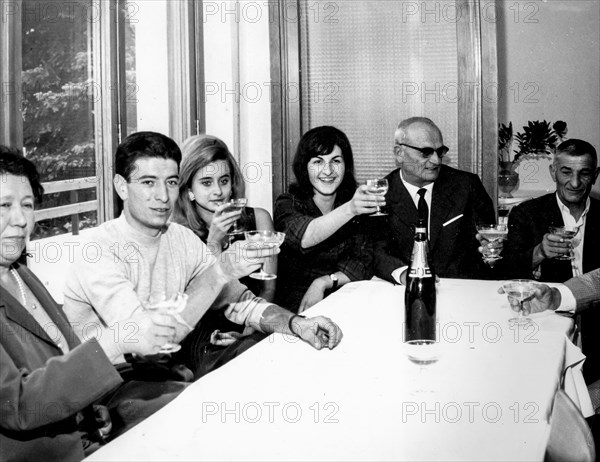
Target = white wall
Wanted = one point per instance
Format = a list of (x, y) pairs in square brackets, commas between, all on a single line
[(549, 65), (237, 89)]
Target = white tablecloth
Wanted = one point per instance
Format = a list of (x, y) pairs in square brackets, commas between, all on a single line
[(487, 398)]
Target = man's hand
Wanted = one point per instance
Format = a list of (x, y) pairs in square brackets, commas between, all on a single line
[(544, 298), (244, 257), (144, 333), (319, 331), (553, 246), (487, 248), (314, 294)]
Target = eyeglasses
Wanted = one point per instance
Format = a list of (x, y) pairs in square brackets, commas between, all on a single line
[(428, 152)]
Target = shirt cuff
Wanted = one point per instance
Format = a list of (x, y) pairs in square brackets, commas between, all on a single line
[(567, 299), (398, 272)]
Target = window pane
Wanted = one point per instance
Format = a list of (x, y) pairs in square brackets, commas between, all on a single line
[(146, 65), (58, 101)]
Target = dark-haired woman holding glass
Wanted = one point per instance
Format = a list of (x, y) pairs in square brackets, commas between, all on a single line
[(324, 217)]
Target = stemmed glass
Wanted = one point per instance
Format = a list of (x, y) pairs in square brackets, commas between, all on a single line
[(232, 206), (379, 187), (423, 353), (172, 306), (566, 232), (267, 239), (495, 234), (522, 290)]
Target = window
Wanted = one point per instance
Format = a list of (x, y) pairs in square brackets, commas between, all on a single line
[(83, 75), (365, 66), (58, 108)]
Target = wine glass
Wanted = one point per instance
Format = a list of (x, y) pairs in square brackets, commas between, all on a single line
[(494, 234), (423, 353), (232, 206), (172, 306), (522, 290), (379, 187), (267, 239), (566, 232)]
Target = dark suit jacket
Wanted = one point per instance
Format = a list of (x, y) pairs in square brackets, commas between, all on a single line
[(453, 247), (527, 224), (42, 390)]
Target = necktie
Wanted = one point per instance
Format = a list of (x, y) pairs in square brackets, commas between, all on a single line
[(422, 206)]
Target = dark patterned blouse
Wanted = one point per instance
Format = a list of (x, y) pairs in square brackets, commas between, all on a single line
[(348, 250)]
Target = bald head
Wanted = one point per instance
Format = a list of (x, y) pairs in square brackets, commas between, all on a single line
[(418, 150), (412, 124)]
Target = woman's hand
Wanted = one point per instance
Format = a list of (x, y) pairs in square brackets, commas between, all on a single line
[(219, 338), (314, 294), (365, 202), (221, 223)]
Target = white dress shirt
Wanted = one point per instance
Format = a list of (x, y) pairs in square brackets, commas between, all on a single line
[(577, 241), (414, 194)]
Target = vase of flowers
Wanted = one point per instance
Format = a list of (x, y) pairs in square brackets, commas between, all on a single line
[(508, 178), (538, 139)]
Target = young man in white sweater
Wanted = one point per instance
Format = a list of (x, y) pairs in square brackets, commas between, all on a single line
[(139, 254)]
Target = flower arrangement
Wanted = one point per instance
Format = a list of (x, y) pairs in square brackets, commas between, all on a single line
[(538, 138)]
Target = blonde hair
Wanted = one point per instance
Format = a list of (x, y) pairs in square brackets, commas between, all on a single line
[(198, 152)]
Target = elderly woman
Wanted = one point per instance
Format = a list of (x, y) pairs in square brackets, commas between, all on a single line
[(57, 395), (327, 241)]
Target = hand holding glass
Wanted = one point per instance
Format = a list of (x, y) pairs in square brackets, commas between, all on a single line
[(494, 234), (378, 187), (522, 290), (170, 306), (266, 239), (567, 233), (232, 206)]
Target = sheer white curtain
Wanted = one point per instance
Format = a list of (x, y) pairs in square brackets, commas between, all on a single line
[(366, 65)]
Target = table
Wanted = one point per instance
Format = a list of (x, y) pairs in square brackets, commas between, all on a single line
[(490, 394)]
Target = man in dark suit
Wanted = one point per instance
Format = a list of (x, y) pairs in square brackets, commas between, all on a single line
[(532, 252), (450, 201)]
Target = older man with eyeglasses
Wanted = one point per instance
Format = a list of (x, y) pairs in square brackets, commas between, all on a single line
[(450, 201)]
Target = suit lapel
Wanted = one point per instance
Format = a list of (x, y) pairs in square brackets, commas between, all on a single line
[(554, 270), (49, 305), (19, 315), (591, 240), (442, 207), (401, 202)]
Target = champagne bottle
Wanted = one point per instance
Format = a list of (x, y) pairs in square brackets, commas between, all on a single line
[(419, 298)]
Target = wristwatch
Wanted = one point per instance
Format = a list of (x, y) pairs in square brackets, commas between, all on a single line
[(335, 281)]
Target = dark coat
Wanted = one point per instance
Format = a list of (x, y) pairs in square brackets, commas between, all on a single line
[(42, 390), (527, 224), (452, 246)]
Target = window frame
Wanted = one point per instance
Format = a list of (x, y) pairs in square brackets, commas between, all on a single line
[(184, 20)]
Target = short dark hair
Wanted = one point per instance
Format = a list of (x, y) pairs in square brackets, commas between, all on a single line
[(12, 162), (144, 144), (320, 141), (575, 147)]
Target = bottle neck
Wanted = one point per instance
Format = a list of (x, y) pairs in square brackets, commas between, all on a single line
[(420, 234), (419, 265)]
